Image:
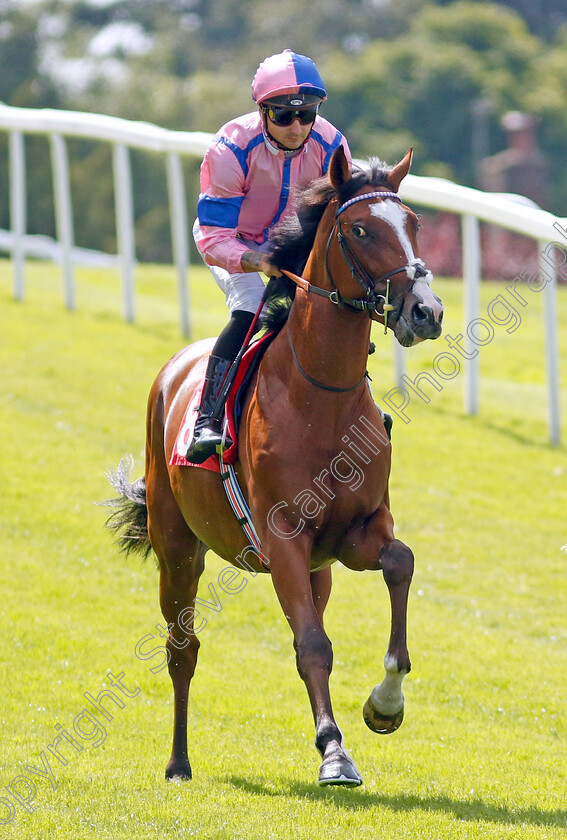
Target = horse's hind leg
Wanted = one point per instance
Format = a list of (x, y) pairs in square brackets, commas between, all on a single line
[(181, 560)]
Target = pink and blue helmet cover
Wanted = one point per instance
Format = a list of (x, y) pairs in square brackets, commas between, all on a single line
[(287, 73)]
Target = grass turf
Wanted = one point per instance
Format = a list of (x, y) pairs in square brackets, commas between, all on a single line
[(481, 500)]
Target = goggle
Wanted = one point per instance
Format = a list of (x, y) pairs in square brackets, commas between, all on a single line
[(285, 116)]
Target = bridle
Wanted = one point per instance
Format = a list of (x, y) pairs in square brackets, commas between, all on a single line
[(372, 300)]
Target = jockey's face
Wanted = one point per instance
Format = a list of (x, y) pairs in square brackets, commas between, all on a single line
[(288, 137)]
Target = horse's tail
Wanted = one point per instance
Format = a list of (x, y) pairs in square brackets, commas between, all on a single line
[(129, 522)]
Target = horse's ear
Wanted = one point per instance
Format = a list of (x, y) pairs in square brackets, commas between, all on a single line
[(339, 172), (397, 174)]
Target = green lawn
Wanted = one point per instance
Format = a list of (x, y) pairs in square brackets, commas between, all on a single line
[(481, 500)]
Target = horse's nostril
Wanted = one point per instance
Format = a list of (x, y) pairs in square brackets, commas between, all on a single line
[(422, 314)]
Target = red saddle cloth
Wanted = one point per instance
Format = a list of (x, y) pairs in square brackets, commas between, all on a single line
[(250, 360)]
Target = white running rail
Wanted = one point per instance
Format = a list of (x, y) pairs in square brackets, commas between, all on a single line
[(472, 205)]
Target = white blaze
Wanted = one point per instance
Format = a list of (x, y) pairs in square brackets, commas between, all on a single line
[(391, 212)]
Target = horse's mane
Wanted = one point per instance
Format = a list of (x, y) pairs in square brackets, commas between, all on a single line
[(292, 239)]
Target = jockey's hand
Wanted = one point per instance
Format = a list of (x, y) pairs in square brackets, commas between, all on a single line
[(258, 261)]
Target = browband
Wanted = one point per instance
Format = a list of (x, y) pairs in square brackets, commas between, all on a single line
[(368, 195)]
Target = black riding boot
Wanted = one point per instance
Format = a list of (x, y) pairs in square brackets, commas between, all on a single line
[(207, 436)]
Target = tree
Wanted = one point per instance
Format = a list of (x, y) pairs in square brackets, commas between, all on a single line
[(422, 88), (436, 76)]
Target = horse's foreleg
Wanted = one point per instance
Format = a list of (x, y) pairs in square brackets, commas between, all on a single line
[(384, 710), (321, 582), (373, 546), (303, 598)]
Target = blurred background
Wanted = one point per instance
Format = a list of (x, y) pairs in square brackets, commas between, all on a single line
[(478, 89)]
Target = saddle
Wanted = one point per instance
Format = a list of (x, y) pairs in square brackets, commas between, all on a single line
[(233, 410)]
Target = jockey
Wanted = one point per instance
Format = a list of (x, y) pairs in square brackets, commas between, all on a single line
[(247, 180)]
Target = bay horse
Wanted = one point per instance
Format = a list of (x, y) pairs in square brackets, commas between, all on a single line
[(353, 242)]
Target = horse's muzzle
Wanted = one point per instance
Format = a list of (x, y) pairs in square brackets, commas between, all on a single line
[(421, 317), (425, 321)]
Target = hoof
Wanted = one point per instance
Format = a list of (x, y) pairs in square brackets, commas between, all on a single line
[(382, 724), (338, 768), (179, 771)]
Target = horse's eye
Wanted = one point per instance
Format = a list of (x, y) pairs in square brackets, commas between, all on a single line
[(358, 231)]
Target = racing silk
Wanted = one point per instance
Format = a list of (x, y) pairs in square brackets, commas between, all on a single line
[(246, 183)]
